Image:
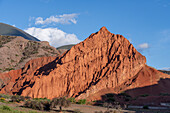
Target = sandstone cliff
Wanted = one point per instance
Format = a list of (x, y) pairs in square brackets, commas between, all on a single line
[(102, 62)]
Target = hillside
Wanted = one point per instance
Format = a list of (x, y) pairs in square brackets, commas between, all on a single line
[(9, 30), (65, 48), (101, 64), (15, 51), (164, 71)]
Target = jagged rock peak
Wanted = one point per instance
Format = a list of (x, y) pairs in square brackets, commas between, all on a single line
[(104, 30)]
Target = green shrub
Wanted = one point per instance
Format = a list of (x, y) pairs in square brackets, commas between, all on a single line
[(145, 107), (42, 99), (38, 105), (164, 94), (6, 108), (110, 99), (110, 95), (124, 94), (17, 98), (27, 97), (8, 69), (81, 101), (144, 95), (72, 100), (5, 96), (2, 99), (127, 99)]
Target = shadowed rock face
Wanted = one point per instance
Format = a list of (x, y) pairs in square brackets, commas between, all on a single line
[(102, 61), (13, 77)]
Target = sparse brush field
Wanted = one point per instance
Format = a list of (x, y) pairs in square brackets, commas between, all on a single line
[(20, 104), (5, 39)]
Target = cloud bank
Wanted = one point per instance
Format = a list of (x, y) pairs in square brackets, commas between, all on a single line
[(54, 36), (166, 68), (61, 19)]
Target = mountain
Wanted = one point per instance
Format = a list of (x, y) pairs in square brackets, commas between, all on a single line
[(101, 64), (65, 48), (165, 71), (15, 51), (9, 30)]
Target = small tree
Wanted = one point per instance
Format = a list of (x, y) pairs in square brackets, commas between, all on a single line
[(61, 102)]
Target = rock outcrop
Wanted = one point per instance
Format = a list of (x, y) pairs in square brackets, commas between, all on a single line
[(102, 62), (9, 79)]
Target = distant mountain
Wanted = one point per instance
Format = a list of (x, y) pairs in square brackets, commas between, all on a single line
[(165, 71), (64, 48), (9, 30)]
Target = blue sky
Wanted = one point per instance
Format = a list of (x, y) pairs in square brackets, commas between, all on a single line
[(146, 23)]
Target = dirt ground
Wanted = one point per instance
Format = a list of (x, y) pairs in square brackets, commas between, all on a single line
[(70, 109), (83, 109)]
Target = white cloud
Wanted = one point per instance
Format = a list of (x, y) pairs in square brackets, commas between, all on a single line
[(54, 36), (143, 46), (166, 68), (62, 19)]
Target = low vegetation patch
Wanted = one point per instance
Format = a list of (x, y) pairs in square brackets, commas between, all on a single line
[(5, 96), (5, 39), (72, 100), (8, 69), (81, 101), (7, 109), (41, 99), (31, 48), (37, 105), (61, 102), (47, 104), (17, 98), (2, 100), (164, 94), (145, 107), (144, 95)]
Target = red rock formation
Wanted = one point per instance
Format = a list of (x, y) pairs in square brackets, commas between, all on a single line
[(8, 79), (103, 61)]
